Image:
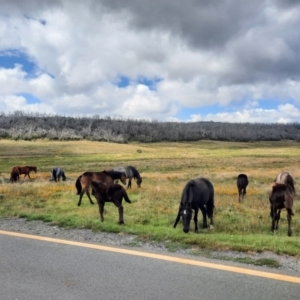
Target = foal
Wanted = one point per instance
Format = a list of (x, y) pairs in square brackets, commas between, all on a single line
[(110, 193)]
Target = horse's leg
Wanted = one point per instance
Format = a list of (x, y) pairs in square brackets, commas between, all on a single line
[(101, 209), (273, 215), (289, 218), (211, 217), (129, 183), (177, 218), (204, 214), (80, 197), (121, 211), (89, 196), (196, 220), (277, 219)]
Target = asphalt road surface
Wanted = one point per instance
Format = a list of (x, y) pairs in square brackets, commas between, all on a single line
[(44, 269)]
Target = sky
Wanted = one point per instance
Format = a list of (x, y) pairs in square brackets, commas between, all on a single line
[(184, 61)]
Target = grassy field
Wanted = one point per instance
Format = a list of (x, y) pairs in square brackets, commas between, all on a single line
[(165, 168)]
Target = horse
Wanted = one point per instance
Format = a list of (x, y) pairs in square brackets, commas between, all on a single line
[(242, 182), (14, 174), (111, 193), (26, 170), (281, 196), (83, 181), (57, 173), (131, 172), (285, 178), (197, 194)]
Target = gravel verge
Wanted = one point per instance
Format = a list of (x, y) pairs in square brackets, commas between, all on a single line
[(288, 263)]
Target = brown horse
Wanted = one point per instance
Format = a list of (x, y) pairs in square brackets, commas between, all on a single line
[(281, 196), (14, 174), (26, 170), (83, 182), (285, 178), (111, 193)]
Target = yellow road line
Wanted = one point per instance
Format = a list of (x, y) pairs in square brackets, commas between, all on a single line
[(158, 256)]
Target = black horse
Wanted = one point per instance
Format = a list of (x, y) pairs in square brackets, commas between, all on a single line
[(57, 173), (281, 196), (197, 194), (110, 193), (242, 183), (131, 172)]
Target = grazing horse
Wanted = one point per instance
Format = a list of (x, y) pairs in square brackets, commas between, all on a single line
[(286, 178), (131, 172), (197, 194), (242, 182), (57, 173), (26, 170), (111, 193), (14, 174), (281, 196), (83, 182)]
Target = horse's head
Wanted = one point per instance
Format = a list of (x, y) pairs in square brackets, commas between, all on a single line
[(123, 178), (186, 214), (139, 181), (34, 169), (63, 176)]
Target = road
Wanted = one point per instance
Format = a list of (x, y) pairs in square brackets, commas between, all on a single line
[(44, 268)]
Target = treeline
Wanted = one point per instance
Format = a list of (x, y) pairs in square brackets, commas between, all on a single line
[(28, 126)]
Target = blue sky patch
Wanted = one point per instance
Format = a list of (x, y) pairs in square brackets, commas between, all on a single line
[(30, 99), (123, 81), (185, 112), (8, 60), (150, 82)]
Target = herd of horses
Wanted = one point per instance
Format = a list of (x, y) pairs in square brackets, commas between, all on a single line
[(198, 193), (102, 184)]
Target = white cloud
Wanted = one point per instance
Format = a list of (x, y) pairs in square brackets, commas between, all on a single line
[(283, 114), (81, 48)]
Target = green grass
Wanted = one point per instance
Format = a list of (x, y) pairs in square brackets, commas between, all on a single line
[(165, 168)]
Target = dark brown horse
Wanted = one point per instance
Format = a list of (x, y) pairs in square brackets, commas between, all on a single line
[(285, 178), (110, 193), (14, 174), (242, 183), (83, 182), (18, 170), (26, 170), (281, 196)]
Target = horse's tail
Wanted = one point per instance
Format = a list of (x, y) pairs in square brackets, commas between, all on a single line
[(12, 176), (290, 182), (210, 205), (125, 196), (78, 185)]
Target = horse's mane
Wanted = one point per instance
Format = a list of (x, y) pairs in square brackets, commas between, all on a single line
[(135, 172), (113, 173), (187, 195)]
